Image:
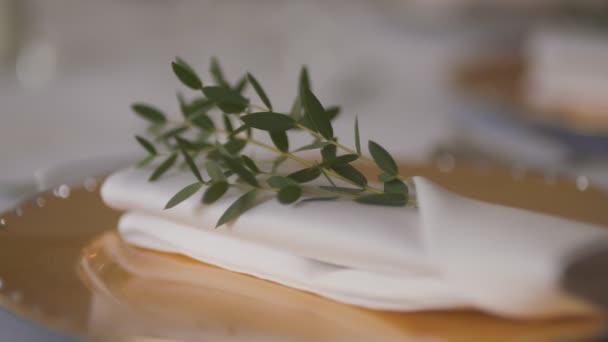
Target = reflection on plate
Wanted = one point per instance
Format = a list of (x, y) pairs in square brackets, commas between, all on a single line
[(62, 264)]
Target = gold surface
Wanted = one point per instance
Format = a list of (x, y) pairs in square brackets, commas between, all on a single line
[(63, 265)]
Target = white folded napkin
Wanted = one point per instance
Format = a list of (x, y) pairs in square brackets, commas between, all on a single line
[(451, 252), (413, 291)]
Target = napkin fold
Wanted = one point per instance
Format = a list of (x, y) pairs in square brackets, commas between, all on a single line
[(406, 291), (450, 252)]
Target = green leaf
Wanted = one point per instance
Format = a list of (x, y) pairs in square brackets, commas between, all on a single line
[(250, 164), (239, 129), (383, 158), (305, 175), (345, 159), (152, 114), (279, 182), (342, 190), (386, 177), (305, 123), (303, 120), (214, 154), (357, 138), (204, 135), (315, 145), (221, 149), (391, 199), (183, 106), (214, 192), (236, 166), (234, 146), (164, 167), (186, 74), (278, 162), (183, 195), (260, 91), (395, 186), (173, 132), (145, 161), (280, 140), (329, 152), (324, 172), (350, 173), (200, 104), (319, 199), (241, 85), (191, 164), (227, 124), (146, 145), (217, 74), (193, 146), (269, 121), (215, 171), (316, 114), (289, 194), (203, 121), (304, 80), (241, 205), (226, 99), (155, 128), (296, 109), (332, 112)]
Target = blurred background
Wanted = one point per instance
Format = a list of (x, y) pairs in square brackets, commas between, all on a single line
[(70, 69), (516, 83)]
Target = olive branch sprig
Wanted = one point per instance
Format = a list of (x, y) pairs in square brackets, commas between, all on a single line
[(200, 142)]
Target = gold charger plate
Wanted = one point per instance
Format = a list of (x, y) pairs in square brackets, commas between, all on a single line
[(63, 265)]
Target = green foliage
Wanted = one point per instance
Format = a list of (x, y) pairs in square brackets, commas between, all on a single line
[(217, 74), (305, 175), (241, 205), (215, 171), (396, 200), (260, 91), (146, 145), (280, 140), (342, 190), (350, 173), (164, 167), (200, 137), (316, 114), (150, 113), (289, 194), (183, 145), (357, 138), (396, 186), (183, 195), (269, 121), (314, 146), (215, 192), (228, 100), (278, 182), (382, 158), (186, 74), (250, 164)]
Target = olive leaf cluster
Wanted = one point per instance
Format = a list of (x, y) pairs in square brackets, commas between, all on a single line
[(218, 122)]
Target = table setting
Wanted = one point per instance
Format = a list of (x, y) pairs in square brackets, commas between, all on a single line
[(266, 243), (457, 193)]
